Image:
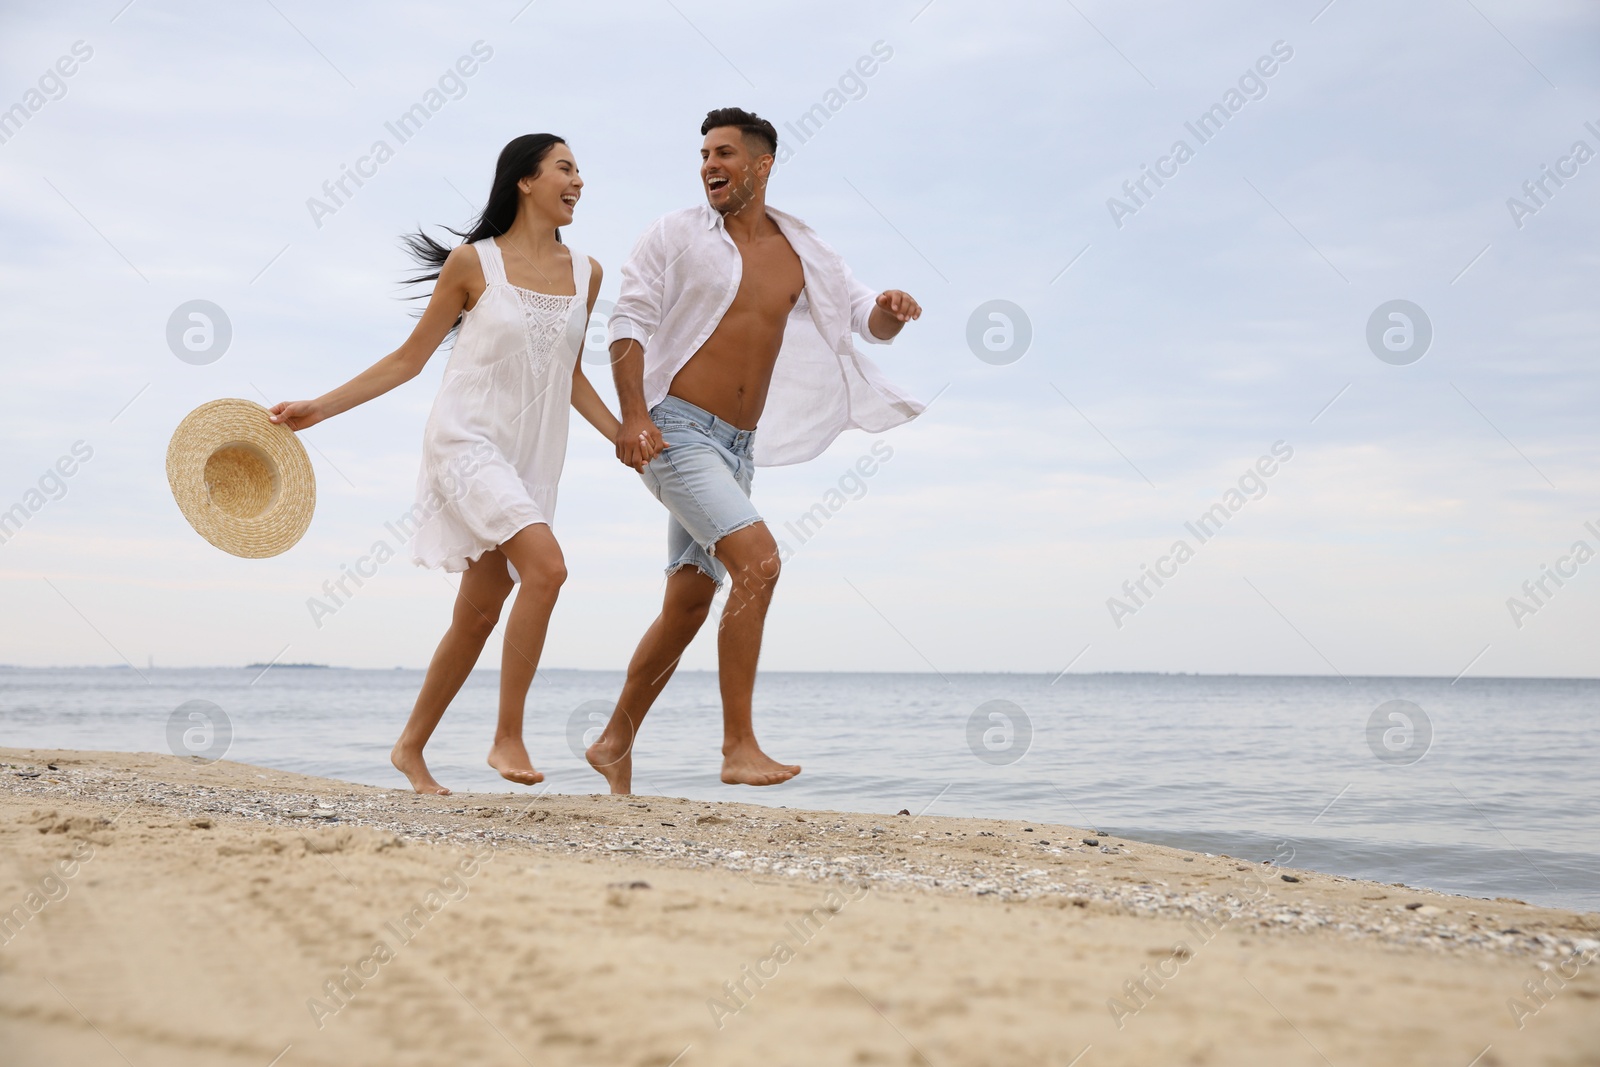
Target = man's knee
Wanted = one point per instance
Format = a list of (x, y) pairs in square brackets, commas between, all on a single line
[(687, 617), (688, 601), (751, 556), (757, 570)]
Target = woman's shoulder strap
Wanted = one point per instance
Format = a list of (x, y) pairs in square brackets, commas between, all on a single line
[(494, 267), (580, 273)]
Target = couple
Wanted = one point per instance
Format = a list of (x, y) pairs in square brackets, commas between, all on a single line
[(729, 312)]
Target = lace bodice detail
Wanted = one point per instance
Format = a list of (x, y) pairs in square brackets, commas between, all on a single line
[(544, 321)]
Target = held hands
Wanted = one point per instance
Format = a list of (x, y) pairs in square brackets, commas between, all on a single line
[(899, 304), (638, 442), (297, 414)]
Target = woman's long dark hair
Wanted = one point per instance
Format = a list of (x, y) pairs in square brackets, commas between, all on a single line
[(518, 159)]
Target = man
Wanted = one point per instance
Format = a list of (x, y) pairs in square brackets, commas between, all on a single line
[(730, 313)]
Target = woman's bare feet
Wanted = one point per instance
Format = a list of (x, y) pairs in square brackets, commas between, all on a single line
[(409, 762), (746, 764), (510, 758), (613, 761)]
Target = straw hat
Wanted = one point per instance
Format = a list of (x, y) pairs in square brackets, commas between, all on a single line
[(244, 483)]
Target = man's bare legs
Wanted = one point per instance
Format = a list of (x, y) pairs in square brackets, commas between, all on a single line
[(541, 570), (683, 611), (484, 588), (751, 557)]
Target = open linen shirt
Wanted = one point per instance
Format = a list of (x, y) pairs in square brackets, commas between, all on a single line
[(681, 278)]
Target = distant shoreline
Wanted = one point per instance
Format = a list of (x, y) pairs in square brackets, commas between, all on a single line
[(278, 666)]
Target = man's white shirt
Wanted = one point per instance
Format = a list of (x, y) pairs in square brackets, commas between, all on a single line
[(680, 280)]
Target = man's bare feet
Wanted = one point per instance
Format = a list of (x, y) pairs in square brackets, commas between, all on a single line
[(747, 765), (409, 762), (613, 761), (510, 758)]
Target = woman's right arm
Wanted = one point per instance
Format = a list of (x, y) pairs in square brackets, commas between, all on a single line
[(459, 279)]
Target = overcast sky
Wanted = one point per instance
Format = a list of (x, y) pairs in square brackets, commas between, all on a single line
[(1177, 332)]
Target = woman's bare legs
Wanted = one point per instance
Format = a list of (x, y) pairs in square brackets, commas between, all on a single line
[(541, 569), (483, 590)]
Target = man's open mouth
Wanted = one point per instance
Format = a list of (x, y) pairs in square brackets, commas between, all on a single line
[(716, 181)]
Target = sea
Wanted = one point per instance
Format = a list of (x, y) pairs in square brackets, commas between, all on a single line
[(1486, 787)]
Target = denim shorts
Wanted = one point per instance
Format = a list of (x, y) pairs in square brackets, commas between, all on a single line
[(704, 480)]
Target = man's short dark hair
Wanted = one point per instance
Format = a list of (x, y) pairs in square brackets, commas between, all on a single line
[(758, 132)]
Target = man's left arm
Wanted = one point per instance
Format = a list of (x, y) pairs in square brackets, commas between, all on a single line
[(879, 317)]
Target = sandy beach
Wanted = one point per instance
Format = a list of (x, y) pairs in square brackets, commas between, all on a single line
[(165, 910)]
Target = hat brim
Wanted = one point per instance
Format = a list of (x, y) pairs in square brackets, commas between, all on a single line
[(242, 481)]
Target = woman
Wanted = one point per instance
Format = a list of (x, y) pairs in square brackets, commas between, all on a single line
[(494, 444)]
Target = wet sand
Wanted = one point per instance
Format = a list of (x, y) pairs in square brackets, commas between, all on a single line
[(163, 910)]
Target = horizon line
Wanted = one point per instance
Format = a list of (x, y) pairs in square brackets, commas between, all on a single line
[(711, 670)]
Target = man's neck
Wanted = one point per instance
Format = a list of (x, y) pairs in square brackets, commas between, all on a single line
[(749, 221)]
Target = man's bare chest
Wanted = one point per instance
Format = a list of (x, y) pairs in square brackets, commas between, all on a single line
[(771, 278)]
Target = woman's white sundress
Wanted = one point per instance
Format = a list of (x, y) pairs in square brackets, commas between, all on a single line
[(497, 436)]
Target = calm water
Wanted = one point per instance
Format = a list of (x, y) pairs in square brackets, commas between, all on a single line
[(1501, 802)]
